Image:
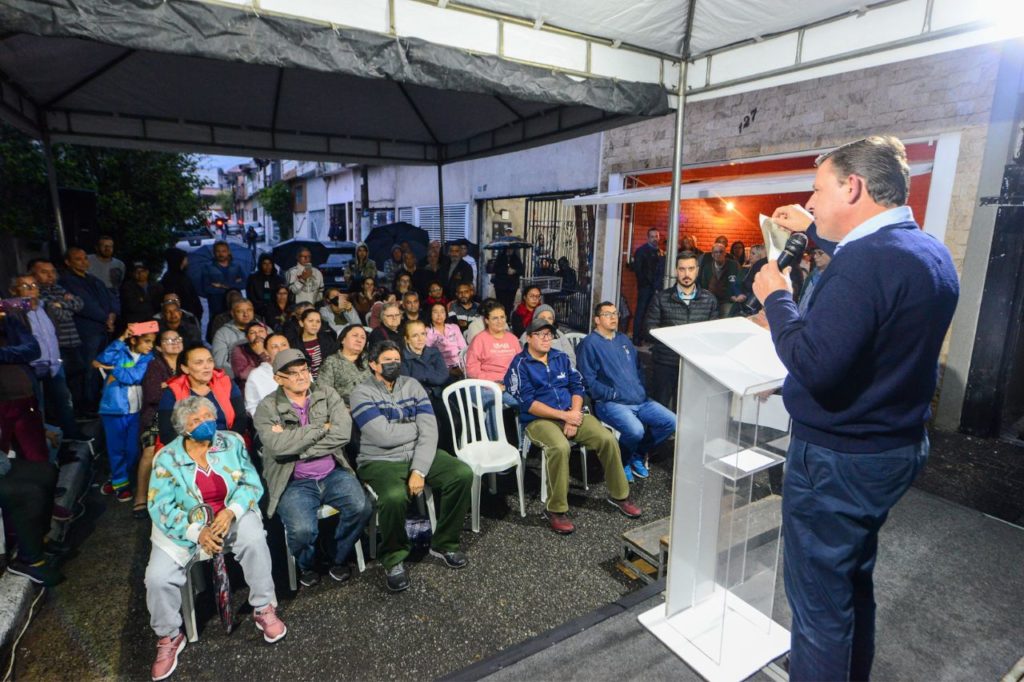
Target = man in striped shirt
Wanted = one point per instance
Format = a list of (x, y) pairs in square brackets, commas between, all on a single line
[(398, 454)]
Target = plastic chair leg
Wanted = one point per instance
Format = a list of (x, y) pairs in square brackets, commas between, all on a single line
[(583, 454), (522, 490), (188, 604), (475, 504)]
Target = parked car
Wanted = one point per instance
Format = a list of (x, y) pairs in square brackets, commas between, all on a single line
[(330, 257), (235, 228), (337, 260), (193, 237)]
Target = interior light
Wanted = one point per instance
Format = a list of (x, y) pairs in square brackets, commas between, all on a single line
[(730, 206)]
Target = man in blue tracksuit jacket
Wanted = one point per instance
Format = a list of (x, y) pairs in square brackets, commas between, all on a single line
[(549, 391), (614, 378), (862, 366)]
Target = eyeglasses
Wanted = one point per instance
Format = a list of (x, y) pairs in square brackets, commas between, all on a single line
[(391, 316), (609, 313), (295, 374), (172, 301), (27, 285), (544, 336), (173, 339)]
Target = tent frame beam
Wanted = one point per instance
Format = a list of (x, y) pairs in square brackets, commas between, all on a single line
[(75, 87)]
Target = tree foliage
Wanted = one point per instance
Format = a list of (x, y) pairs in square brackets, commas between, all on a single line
[(140, 196), (277, 200)]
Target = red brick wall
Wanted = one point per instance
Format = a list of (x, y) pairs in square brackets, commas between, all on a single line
[(705, 219)]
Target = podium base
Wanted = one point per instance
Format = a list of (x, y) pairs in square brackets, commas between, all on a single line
[(749, 642)]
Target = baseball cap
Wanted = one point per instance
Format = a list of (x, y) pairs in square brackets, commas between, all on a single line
[(287, 357)]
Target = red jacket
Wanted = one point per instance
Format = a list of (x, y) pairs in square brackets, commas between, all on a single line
[(220, 383)]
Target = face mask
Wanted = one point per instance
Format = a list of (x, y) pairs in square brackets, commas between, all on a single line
[(390, 370), (204, 432)]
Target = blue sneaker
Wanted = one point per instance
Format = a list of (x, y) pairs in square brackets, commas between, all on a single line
[(629, 473), (638, 468)]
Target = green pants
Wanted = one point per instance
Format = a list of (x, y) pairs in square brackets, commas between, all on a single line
[(452, 478), (591, 435)]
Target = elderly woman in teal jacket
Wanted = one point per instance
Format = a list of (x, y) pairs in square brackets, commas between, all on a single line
[(204, 466)]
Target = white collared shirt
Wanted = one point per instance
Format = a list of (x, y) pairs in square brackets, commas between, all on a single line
[(900, 214)]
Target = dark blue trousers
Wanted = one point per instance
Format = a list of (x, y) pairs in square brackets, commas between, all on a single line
[(833, 505)]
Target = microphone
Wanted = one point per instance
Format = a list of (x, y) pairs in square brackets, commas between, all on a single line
[(792, 252)]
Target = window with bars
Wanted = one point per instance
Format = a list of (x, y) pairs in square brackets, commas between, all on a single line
[(456, 220)]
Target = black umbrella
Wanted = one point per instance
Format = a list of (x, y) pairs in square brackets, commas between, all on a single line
[(286, 253), (382, 239)]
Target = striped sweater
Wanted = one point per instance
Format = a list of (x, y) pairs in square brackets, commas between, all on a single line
[(62, 313), (396, 425)]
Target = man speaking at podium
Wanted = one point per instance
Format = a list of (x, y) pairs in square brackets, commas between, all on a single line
[(862, 368)]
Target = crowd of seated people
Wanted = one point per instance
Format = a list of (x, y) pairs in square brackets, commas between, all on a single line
[(301, 395)]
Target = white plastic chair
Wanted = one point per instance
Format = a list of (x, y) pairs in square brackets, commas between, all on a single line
[(574, 338), (525, 444), (325, 511), (475, 446)]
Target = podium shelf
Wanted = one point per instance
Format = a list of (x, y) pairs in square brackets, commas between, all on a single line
[(738, 465)]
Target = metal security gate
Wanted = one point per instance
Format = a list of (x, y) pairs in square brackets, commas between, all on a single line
[(558, 231)]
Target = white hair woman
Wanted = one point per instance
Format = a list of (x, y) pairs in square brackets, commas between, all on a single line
[(204, 466)]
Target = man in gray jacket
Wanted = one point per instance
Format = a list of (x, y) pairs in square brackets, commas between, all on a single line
[(304, 430), (398, 454)]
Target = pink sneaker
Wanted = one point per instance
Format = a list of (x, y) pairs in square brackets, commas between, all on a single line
[(167, 650), (267, 622)]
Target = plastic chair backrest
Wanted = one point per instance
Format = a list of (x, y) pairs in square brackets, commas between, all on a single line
[(574, 338), (468, 396)]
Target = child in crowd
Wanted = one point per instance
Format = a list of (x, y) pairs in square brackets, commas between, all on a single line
[(125, 366)]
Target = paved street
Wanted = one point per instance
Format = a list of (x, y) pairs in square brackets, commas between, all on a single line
[(522, 581)]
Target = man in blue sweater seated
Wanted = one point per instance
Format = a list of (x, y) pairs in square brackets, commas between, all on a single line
[(862, 365), (550, 394), (614, 379)]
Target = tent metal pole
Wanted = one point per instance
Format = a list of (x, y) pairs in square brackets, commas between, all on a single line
[(672, 245), (51, 181), (440, 201)]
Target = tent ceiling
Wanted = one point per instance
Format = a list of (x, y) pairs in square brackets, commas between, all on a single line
[(659, 25), (202, 77)]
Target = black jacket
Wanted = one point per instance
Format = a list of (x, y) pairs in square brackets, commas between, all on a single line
[(666, 310), (175, 280), (328, 344), (261, 290), (462, 273), (138, 304), (648, 265)]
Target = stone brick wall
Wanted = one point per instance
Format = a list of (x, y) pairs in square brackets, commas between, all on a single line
[(917, 98)]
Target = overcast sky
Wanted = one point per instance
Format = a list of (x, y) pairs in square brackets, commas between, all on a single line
[(208, 165)]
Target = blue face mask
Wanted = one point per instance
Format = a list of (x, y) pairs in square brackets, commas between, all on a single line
[(205, 431)]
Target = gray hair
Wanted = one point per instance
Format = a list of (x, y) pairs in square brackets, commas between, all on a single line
[(187, 407), (757, 249), (881, 160)]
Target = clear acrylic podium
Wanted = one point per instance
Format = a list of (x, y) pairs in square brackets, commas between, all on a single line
[(726, 525)]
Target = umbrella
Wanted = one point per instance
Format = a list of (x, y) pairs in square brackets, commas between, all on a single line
[(508, 244), (203, 513), (383, 238), (240, 253), (286, 253)]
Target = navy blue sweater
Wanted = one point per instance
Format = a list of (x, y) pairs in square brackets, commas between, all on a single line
[(863, 362), (611, 369)]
